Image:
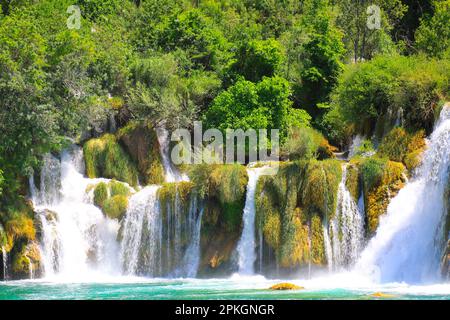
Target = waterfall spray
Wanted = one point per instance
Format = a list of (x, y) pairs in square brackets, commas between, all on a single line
[(410, 237), (347, 228), (77, 239), (246, 245)]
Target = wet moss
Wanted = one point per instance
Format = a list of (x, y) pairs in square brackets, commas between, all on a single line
[(221, 189), (352, 181), (317, 242), (291, 206), (401, 146), (142, 144), (112, 198), (25, 257), (100, 194), (104, 157), (382, 180), (115, 207)]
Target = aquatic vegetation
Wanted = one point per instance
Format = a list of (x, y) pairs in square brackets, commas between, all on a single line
[(104, 157), (382, 180), (286, 286), (142, 145), (400, 146), (291, 207)]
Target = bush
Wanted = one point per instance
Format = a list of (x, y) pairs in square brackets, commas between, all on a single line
[(306, 143), (400, 146), (100, 194), (115, 207), (104, 157)]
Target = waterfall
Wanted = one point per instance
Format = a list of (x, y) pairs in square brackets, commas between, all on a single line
[(347, 227), (410, 237), (192, 256), (5, 263), (356, 143), (142, 234), (328, 249), (171, 172), (246, 245), (161, 240), (77, 239)]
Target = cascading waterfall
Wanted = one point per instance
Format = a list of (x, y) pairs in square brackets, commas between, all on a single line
[(161, 240), (5, 263), (328, 248), (142, 237), (246, 245), (356, 143), (410, 237), (192, 256), (171, 172), (77, 239), (346, 228)]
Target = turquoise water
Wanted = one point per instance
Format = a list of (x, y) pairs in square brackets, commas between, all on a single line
[(234, 288)]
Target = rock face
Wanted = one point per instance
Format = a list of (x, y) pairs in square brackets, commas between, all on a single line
[(290, 210), (142, 144), (446, 263), (26, 263), (224, 199), (104, 157)]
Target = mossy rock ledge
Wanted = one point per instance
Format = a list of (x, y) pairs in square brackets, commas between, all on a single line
[(286, 286)]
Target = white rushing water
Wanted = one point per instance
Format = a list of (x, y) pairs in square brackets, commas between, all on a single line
[(192, 255), (356, 143), (409, 240), (142, 231), (171, 172), (246, 245), (77, 239), (346, 228), (5, 263)]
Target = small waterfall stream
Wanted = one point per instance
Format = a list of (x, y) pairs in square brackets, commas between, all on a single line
[(171, 172), (5, 263), (410, 237), (346, 229), (246, 245)]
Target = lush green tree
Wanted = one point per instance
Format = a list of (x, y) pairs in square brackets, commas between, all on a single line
[(433, 35), (194, 32), (246, 105), (314, 56), (363, 42), (257, 59), (160, 95)]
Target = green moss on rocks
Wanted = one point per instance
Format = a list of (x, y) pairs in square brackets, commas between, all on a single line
[(112, 198), (119, 189), (104, 157), (352, 181), (400, 146), (317, 242), (382, 180), (115, 207), (100, 194), (25, 257), (291, 206), (142, 144), (221, 189)]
